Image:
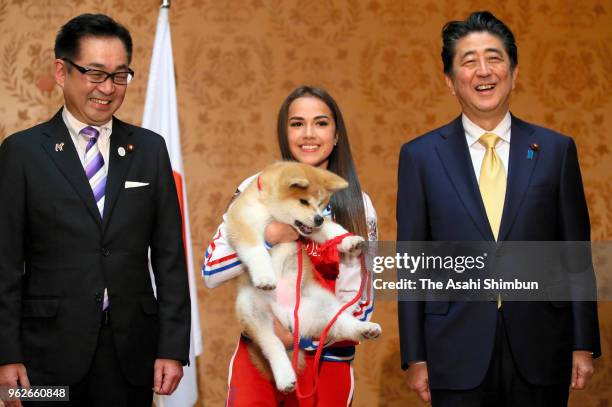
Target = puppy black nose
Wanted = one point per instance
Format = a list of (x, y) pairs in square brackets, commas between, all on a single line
[(318, 220)]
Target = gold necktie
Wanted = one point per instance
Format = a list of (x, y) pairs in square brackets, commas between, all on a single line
[(492, 182), (492, 186)]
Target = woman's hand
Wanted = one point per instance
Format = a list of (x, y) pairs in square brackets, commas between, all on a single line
[(277, 232), (283, 334)]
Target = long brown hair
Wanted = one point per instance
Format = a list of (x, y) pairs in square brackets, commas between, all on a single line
[(347, 204)]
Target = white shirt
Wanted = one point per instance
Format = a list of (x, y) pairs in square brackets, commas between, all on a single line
[(80, 142), (477, 151)]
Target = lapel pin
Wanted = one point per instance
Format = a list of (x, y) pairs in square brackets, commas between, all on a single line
[(59, 147), (532, 148), (130, 148), (121, 151)]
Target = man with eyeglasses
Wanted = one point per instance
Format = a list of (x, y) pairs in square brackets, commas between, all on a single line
[(84, 199)]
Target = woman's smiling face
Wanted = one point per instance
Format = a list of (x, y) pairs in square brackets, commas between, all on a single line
[(311, 131)]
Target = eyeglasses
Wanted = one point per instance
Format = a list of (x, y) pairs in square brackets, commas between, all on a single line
[(98, 76)]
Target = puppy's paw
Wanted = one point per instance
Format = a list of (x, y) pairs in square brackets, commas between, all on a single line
[(352, 245), (370, 330), (285, 382), (264, 281)]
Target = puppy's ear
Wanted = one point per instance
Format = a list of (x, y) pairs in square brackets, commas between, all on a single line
[(333, 182), (292, 175), (298, 182)]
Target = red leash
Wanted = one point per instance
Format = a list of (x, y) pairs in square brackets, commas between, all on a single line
[(296, 335)]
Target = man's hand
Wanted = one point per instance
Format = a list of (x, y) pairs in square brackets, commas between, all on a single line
[(167, 375), (418, 380), (14, 375), (582, 369)]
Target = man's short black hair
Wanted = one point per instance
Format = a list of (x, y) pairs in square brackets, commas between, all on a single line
[(69, 36), (479, 21)]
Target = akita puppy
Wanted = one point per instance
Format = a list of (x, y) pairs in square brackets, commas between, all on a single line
[(295, 194)]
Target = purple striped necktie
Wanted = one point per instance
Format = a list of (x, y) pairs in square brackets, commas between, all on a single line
[(96, 174), (94, 166)]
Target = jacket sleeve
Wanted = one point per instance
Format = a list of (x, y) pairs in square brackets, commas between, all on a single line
[(13, 201), (412, 225), (221, 263), (169, 266), (349, 276), (575, 227)]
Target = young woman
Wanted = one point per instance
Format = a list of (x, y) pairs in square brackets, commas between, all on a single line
[(310, 130)]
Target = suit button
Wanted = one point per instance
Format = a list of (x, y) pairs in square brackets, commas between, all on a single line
[(105, 252), (99, 297)]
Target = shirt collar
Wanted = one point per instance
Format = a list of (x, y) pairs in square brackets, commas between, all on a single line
[(75, 126), (474, 132)]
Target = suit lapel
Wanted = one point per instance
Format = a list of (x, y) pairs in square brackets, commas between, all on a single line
[(453, 151), (118, 167), (520, 168), (63, 153)]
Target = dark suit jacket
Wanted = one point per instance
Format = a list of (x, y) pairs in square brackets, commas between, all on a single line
[(438, 199), (50, 228)]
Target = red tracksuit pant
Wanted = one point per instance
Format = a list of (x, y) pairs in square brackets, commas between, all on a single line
[(249, 388)]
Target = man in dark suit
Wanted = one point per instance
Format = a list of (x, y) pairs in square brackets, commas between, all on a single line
[(84, 198), (489, 176)]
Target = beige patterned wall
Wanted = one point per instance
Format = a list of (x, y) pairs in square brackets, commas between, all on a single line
[(237, 59)]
